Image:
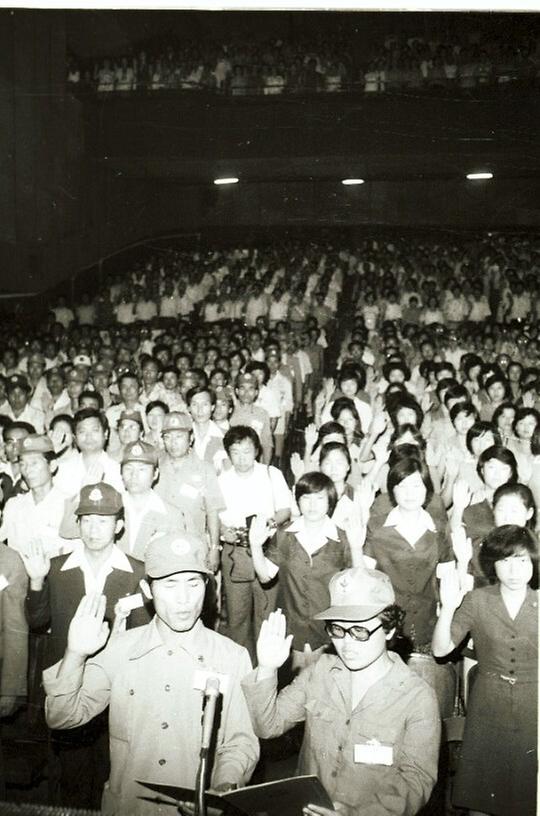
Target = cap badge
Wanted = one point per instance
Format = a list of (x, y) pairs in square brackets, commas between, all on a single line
[(180, 547), (96, 495), (136, 450)]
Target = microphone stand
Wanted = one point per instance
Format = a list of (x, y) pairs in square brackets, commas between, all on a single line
[(211, 694)]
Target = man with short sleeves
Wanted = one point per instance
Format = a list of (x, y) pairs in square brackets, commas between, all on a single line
[(186, 482)]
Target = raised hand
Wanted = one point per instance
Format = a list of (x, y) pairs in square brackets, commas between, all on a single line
[(273, 644), (311, 435), (36, 563), (364, 496), (461, 494), (259, 531), (451, 591), (297, 466), (462, 546), (379, 424), (88, 632)]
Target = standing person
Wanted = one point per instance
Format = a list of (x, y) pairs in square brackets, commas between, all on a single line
[(145, 513), (372, 726), (37, 513), (57, 585), (13, 641), (187, 483), (412, 550), (306, 553), (18, 392), (249, 489), (148, 678), (500, 740), (247, 413), (207, 436)]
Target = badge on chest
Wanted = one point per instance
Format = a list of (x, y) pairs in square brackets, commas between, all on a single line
[(373, 752)]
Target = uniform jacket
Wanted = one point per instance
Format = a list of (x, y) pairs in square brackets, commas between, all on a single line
[(155, 712)]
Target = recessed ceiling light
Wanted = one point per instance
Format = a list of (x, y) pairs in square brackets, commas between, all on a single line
[(477, 176), (351, 181), (230, 180)]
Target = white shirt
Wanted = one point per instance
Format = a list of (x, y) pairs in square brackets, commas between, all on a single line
[(413, 529), (30, 414), (264, 492), (24, 521), (135, 510), (72, 474), (93, 584)]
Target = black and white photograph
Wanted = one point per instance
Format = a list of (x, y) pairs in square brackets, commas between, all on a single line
[(269, 410)]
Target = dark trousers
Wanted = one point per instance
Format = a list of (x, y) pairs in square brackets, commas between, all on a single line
[(79, 764)]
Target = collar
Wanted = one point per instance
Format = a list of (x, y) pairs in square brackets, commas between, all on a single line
[(328, 529), (77, 558), (155, 502), (213, 431), (394, 519), (151, 639)]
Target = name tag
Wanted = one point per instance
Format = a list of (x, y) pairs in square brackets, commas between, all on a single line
[(3, 582), (201, 676), (374, 753), (131, 602), (189, 491)]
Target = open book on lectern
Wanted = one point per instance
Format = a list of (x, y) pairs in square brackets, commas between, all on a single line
[(284, 797)]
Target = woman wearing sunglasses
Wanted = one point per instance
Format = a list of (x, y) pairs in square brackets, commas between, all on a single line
[(372, 726)]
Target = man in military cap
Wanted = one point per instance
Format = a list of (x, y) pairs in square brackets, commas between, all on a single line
[(96, 565), (372, 726), (145, 512), (36, 514), (153, 681), (187, 483), (247, 413), (18, 391)]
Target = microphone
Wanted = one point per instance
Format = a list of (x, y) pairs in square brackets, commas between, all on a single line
[(211, 694)]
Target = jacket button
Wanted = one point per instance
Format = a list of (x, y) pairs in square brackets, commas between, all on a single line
[(167, 687), (164, 725), (170, 652), (131, 692), (162, 761)]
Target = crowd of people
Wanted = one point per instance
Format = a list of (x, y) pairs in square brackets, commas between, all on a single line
[(317, 458), (330, 63)]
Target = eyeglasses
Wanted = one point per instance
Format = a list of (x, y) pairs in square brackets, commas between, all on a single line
[(334, 630)]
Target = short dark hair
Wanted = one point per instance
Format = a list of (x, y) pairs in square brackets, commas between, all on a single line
[(467, 408), (397, 365), (61, 418), (88, 394), (401, 430), (238, 433), (20, 426), (499, 410), (345, 404), (330, 447), (314, 482), (407, 467), (156, 404), (392, 618), (404, 401), (504, 542), (90, 413), (352, 372), (503, 455), (258, 365), (522, 413), (200, 389), (478, 429), (523, 492)]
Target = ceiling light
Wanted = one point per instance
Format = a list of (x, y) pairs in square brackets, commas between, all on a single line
[(230, 180), (478, 176), (351, 181)]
